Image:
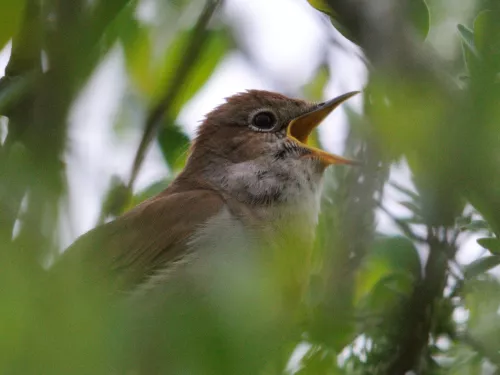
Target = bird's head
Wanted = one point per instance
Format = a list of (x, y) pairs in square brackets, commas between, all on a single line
[(259, 134)]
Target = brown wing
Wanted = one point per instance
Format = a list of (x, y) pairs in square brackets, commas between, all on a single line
[(145, 239)]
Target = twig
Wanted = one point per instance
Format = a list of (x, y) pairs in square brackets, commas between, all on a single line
[(405, 228), (418, 317), (154, 120)]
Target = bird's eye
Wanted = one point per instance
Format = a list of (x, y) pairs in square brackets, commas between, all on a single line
[(264, 120)]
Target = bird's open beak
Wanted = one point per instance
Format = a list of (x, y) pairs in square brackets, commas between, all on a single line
[(301, 127)]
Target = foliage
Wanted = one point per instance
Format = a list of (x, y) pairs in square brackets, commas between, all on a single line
[(375, 303)]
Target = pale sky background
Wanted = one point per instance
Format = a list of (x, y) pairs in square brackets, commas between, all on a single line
[(287, 39)]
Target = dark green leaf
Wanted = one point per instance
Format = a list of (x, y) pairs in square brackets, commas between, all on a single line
[(420, 16), (174, 145), (12, 90), (463, 221), (324, 7), (481, 265), (117, 199), (491, 244)]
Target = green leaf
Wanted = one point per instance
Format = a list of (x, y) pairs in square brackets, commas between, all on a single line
[(476, 225), (492, 244), (11, 12), (487, 33), (117, 199), (471, 55), (318, 361), (174, 145), (412, 207), (462, 221), (324, 7), (481, 265), (467, 36), (388, 256), (216, 47), (411, 194), (420, 17), (12, 90), (152, 190), (152, 77)]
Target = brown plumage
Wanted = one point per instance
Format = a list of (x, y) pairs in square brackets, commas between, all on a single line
[(249, 170)]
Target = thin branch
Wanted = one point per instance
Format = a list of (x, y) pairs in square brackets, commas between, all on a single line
[(404, 227), (186, 64)]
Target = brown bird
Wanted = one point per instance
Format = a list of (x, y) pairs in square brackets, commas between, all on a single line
[(251, 180)]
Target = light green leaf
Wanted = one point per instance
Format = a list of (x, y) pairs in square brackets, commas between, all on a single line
[(214, 50)]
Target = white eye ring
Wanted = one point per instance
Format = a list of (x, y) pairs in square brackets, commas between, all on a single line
[(263, 120)]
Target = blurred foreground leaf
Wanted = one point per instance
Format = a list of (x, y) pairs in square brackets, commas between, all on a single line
[(11, 12), (491, 244), (152, 190), (420, 16), (174, 144), (480, 266)]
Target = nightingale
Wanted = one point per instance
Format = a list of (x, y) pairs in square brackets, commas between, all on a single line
[(250, 180)]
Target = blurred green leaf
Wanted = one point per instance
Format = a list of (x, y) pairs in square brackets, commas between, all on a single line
[(487, 33), (117, 199), (12, 90), (388, 258), (470, 52), (319, 361), (324, 7), (217, 46), (467, 36), (412, 207), (420, 16), (152, 190), (491, 244), (153, 76), (476, 225), (174, 144), (480, 266), (410, 193), (11, 12)]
